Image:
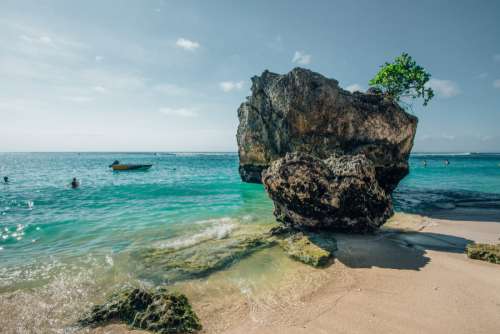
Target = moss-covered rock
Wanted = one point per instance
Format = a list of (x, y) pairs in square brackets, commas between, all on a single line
[(156, 310), (485, 252), (312, 248), (165, 265)]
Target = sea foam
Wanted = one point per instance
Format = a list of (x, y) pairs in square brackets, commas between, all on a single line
[(220, 231)]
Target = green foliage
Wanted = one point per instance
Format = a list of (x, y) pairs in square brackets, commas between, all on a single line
[(403, 78)]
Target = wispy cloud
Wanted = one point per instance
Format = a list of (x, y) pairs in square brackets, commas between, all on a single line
[(444, 88), (180, 112), (78, 99), (276, 44), (38, 46), (301, 58), (187, 44), (496, 83), (100, 89), (482, 75), (171, 89), (228, 86), (37, 39), (354, 88)]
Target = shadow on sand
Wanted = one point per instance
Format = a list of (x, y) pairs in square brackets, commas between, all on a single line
[(395, 250)]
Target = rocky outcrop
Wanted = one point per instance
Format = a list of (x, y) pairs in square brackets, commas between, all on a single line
[(340, 193), (303, 111), (485, 252), (156, 310), (167, 265), (310, 248)]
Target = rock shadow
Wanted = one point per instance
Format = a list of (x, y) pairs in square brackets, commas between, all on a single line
[(394, 250)]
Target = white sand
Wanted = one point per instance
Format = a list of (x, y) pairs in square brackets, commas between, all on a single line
[(383, 286)]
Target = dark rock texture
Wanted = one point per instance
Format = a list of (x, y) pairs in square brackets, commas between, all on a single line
[(157, 310), (340, 193), (304, 111)]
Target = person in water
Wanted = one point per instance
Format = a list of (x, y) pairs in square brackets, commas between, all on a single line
[(75, 184), (6, 179), (446, 162), (425, 163)]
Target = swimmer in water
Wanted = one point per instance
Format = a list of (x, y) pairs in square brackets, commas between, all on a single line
[(424, 163), (446, 162), (75, 184), (6, 179)]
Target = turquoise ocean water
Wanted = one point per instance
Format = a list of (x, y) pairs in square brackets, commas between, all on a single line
[(47, 227)]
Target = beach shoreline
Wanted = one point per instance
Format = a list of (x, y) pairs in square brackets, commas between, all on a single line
[(411, 277)]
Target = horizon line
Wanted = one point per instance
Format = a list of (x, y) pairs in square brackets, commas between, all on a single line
[(215, 151)]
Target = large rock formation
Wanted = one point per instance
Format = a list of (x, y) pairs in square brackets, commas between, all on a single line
[(340, 193), (305, 112)]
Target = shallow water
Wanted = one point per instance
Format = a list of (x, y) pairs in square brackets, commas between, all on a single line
[(61, 249)]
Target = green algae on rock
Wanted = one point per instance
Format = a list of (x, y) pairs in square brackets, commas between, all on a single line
[(156, 310), (485, 252), (313, 248), (167, 265)]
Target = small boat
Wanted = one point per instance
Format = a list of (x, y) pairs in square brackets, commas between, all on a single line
[(116, 165)]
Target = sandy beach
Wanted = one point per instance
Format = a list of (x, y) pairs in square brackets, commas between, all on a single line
[(412, 277), (402, 283)]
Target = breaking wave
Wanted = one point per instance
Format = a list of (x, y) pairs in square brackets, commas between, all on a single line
[(222, 230)]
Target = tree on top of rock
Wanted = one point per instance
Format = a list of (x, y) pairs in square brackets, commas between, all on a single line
[(403, 78)]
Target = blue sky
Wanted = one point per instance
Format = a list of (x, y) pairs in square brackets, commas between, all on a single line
[(170, 75)]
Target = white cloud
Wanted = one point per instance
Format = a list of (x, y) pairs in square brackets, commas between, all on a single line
[(496, 83), (186, 44), (37, 40), (46, 40), (181, 112), (496, 57), (301, 58), (100, 89), (228, 86), (78, 99), (113, 80), (444, 88), (170, 89), (354, 87), (38, 44)]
